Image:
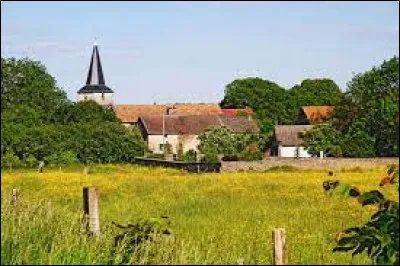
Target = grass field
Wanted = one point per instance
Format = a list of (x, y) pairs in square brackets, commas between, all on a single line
[(216, 218)]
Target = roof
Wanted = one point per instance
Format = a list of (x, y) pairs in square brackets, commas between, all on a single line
[(317, 114), (95, 79), (195, 124), (131, 113), (290, 135), (239, 124), (237, 112)]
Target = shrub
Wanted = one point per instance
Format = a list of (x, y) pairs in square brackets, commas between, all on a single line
[(64, 158), (31, 161), (190, 156), (379, 237), (210, 155), (251, 153), (10, 160)]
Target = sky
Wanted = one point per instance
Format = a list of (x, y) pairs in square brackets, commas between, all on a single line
[(168, 52)]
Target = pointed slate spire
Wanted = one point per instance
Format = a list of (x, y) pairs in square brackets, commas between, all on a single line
[(95, 79), (95, 74)]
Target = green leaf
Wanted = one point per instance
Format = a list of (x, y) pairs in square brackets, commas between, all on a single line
[(371, 197)]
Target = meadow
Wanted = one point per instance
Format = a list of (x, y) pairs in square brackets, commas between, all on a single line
[(215, 218)]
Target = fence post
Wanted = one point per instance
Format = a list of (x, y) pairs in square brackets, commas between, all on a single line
[(91, 210), (280, 249), (14, 195)]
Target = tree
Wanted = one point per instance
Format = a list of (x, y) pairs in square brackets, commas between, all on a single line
[(313, 92), (323, 138), (266, 98), (372, 98), (27, 82), (219, 139)]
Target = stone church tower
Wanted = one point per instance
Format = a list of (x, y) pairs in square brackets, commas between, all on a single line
[(95, 88)]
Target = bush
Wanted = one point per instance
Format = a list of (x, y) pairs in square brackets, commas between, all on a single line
[(190, 156), (64, 158), (210, 155), (10, 160), (379, 237), (251, 153), (31, 161)]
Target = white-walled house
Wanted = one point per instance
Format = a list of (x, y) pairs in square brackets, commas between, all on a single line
[(184, 129), (287, 141)]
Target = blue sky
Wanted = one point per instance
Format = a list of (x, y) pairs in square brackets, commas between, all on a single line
[(188, 51)]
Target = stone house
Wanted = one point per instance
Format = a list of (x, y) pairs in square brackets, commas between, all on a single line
[(183, 130)]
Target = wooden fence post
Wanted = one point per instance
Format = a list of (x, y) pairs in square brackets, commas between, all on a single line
[(280, 249), (91, 210), (14, 195)]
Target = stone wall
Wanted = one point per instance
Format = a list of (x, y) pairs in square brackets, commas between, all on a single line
[(309, 163)]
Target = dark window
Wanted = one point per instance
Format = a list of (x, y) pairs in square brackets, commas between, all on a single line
[(102, 96)]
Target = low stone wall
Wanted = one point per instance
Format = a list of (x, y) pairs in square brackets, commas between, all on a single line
[(190, 167), (309, 163)]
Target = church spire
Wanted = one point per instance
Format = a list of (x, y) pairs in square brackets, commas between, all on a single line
[(95, 79), (95, 74)]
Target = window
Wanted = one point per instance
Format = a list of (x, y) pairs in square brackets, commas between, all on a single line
[(102, 96), (161, 147)]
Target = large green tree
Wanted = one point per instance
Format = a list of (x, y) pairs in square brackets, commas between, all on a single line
[(265, 97), (39, 122), (372, 99), (313, 92)]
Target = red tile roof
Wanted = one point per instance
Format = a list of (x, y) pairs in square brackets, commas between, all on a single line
[(131, 113), (237, 112), (316, 114)]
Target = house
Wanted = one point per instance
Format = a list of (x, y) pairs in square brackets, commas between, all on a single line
[(287, 141), (177, 130), (311, 115)]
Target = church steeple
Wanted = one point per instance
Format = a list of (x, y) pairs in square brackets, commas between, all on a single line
[(95, 88), (95, 79)]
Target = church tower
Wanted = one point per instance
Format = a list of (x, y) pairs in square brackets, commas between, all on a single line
[(95, 88)]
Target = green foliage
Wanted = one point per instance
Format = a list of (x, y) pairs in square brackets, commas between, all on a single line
[(190, 156), (273, 104), (26, 82), (357, 142), (38, 120), (31, 161), (323, 138), (217, 139), (251, 153), (266, 98), (64, 158), (10, 160), (379, 237), (137, 236), (367, 112), (210, 154), (313, 92)]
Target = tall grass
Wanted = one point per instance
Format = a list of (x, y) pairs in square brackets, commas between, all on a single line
[(216, 218)]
